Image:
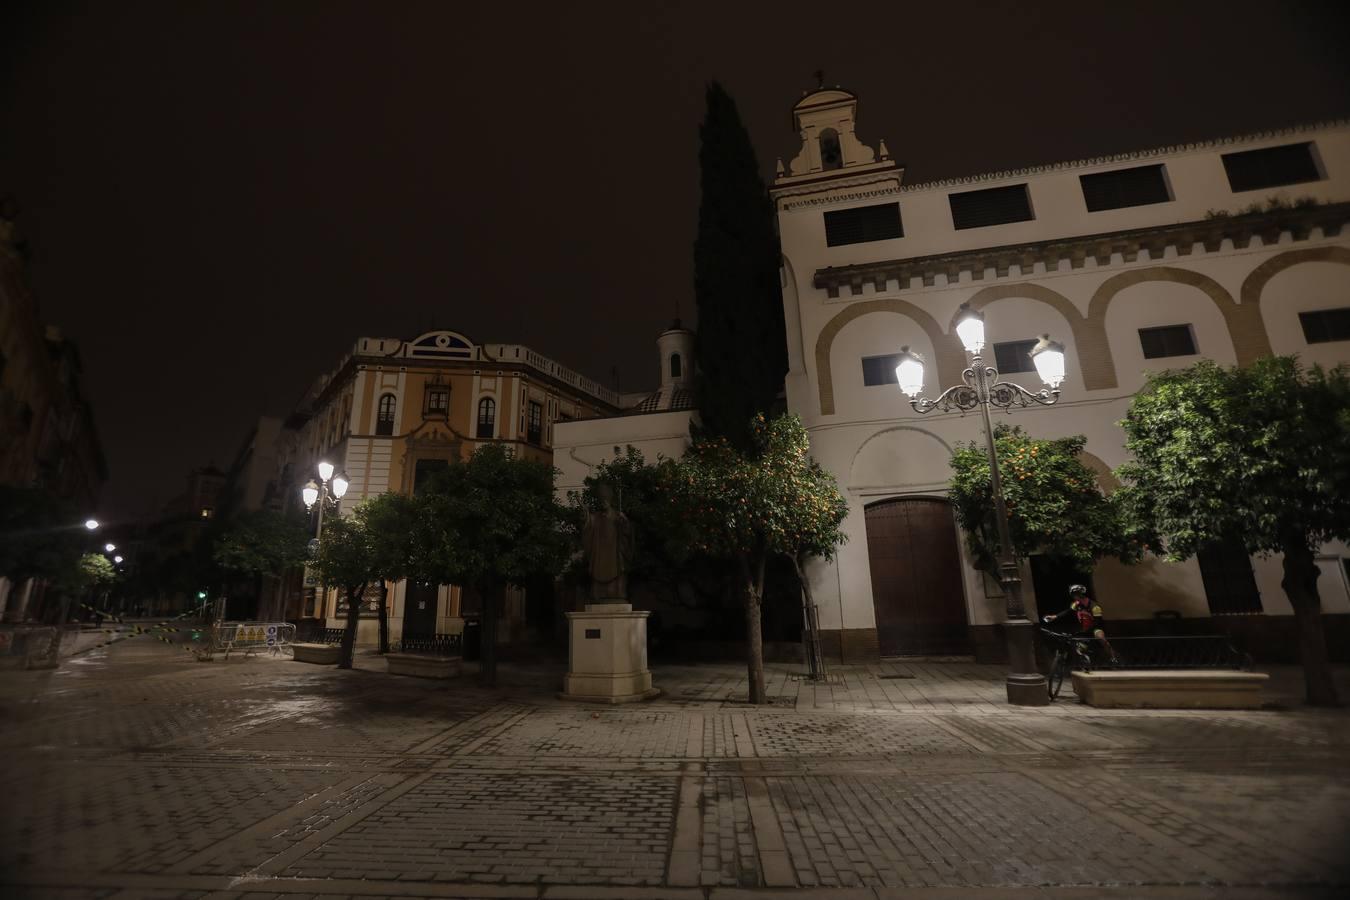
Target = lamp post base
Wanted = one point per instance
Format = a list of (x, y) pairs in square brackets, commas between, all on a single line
[(1027, 690)]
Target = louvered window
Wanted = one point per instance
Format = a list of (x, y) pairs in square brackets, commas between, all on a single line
[(1167, 340), (1323, 325), (1230, 585), (880, 369), (1270, 167), (862, 224), (1139, 186), (993, 206), (535, 432), (1011, 357)]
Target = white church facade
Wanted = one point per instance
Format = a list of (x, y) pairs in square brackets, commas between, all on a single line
[(1228, 250)]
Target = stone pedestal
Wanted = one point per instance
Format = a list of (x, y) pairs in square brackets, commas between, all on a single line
[(1171, 689), (607, 655)]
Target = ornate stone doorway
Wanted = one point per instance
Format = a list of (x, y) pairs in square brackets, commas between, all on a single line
[(916, 578)]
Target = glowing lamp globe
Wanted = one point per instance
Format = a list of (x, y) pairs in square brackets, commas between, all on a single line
[(309, 493), (1048, 357), (909, 373), (970, 328), (109, 547), (117, 559), (91, 524), (340, 485), (325, 470)]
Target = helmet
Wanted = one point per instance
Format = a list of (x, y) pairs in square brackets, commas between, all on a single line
[(1077, 590)]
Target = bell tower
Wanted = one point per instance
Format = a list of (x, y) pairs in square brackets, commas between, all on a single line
[(824, 119)]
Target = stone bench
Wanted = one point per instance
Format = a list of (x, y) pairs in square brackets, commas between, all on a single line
[(422, 665), (319, 654), (1170, 688)]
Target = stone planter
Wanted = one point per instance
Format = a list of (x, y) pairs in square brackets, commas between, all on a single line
[(1171, 689), (319, 654), (422, 665)]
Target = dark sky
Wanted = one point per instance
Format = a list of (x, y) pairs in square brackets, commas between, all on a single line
[(221, 197)]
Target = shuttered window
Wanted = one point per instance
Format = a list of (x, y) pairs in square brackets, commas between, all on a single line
[(1230, 585), (993, 206), (1270, 167), (1011, 357), (1167, 340), (1139, 186), (880, 369), (1323, 325), (862, 224)]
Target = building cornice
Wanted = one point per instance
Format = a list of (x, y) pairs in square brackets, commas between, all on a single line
[(1211, 233), (1128, 157)]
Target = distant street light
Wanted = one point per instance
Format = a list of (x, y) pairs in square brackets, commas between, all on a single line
[(109, 547), (117, 559), (91, 524), (982, 388), (330, 489)]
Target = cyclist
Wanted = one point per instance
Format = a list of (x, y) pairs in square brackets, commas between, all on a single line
[(1087, 615)]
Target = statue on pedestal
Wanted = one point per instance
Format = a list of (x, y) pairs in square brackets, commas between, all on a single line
[(607, 542)]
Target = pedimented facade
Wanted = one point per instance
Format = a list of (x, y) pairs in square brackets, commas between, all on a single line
[(395, 411), (1229, 250)]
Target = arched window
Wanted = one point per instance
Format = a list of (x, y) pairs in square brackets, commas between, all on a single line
[(487, 418), (384, 422), (830, 155), (676, 369)]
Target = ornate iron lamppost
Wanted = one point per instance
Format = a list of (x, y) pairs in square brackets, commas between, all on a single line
[(983, 389), (327, 492)]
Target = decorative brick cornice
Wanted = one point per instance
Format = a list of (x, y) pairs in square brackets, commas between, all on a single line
[(1210, 233), (1131, 156)]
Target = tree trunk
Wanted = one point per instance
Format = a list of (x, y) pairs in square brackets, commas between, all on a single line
[(815, 656), (348, 646), (1300, 586), (384, 617), (487, 655), (754, 634)]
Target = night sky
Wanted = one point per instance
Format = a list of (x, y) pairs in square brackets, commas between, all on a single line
[(221, 197)]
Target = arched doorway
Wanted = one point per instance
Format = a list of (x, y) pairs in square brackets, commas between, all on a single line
[(916, 578)]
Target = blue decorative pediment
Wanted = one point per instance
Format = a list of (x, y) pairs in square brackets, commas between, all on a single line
[(440, 345)]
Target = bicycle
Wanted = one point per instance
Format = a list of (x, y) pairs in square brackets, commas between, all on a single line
[(1068, 650)]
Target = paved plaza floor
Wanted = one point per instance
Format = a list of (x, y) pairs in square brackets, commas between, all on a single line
[(135, 771)]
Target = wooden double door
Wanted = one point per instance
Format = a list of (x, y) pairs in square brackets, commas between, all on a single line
[(916, 578)]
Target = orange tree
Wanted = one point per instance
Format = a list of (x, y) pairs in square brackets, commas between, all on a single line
[(1055, 506), (747, 507), (1259, 455)]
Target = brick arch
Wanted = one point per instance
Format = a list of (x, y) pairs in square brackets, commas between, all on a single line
[(1245, 328), (1093, 351), (950, 357), (1255, 283)]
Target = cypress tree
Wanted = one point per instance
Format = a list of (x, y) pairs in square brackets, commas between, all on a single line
[(741, 346)]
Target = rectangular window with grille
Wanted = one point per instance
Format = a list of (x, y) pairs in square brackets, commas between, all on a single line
[(1252, 170), (992, 206), (1230, 584), (535, 432), (1321, 326), (1139, 186), (1167, 340), (862, 224), (880, 369), (1011, 357), (438, 399)]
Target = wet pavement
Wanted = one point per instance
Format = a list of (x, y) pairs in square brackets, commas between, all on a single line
[(136, 771)]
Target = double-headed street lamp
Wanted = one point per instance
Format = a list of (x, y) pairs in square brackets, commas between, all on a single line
[(983, 389), (327, 492)]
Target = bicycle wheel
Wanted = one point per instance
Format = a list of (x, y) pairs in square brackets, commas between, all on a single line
[(1055, 680)]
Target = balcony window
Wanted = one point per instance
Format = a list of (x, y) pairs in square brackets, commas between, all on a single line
[(487, 418), (535, 430), (384, 422)]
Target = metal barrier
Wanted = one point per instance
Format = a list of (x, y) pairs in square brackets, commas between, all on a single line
[(432, 644), (250, 637), (1198, 651)]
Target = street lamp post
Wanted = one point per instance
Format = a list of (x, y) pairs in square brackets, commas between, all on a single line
[(327, 492), (983, 389)]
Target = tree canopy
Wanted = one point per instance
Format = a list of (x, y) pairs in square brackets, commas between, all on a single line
[(1055, 506), (741, 345), (40, 536), (262, 542), (1259, 456)]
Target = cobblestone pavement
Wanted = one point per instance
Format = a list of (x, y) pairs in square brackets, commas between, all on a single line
[(134, 771)]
